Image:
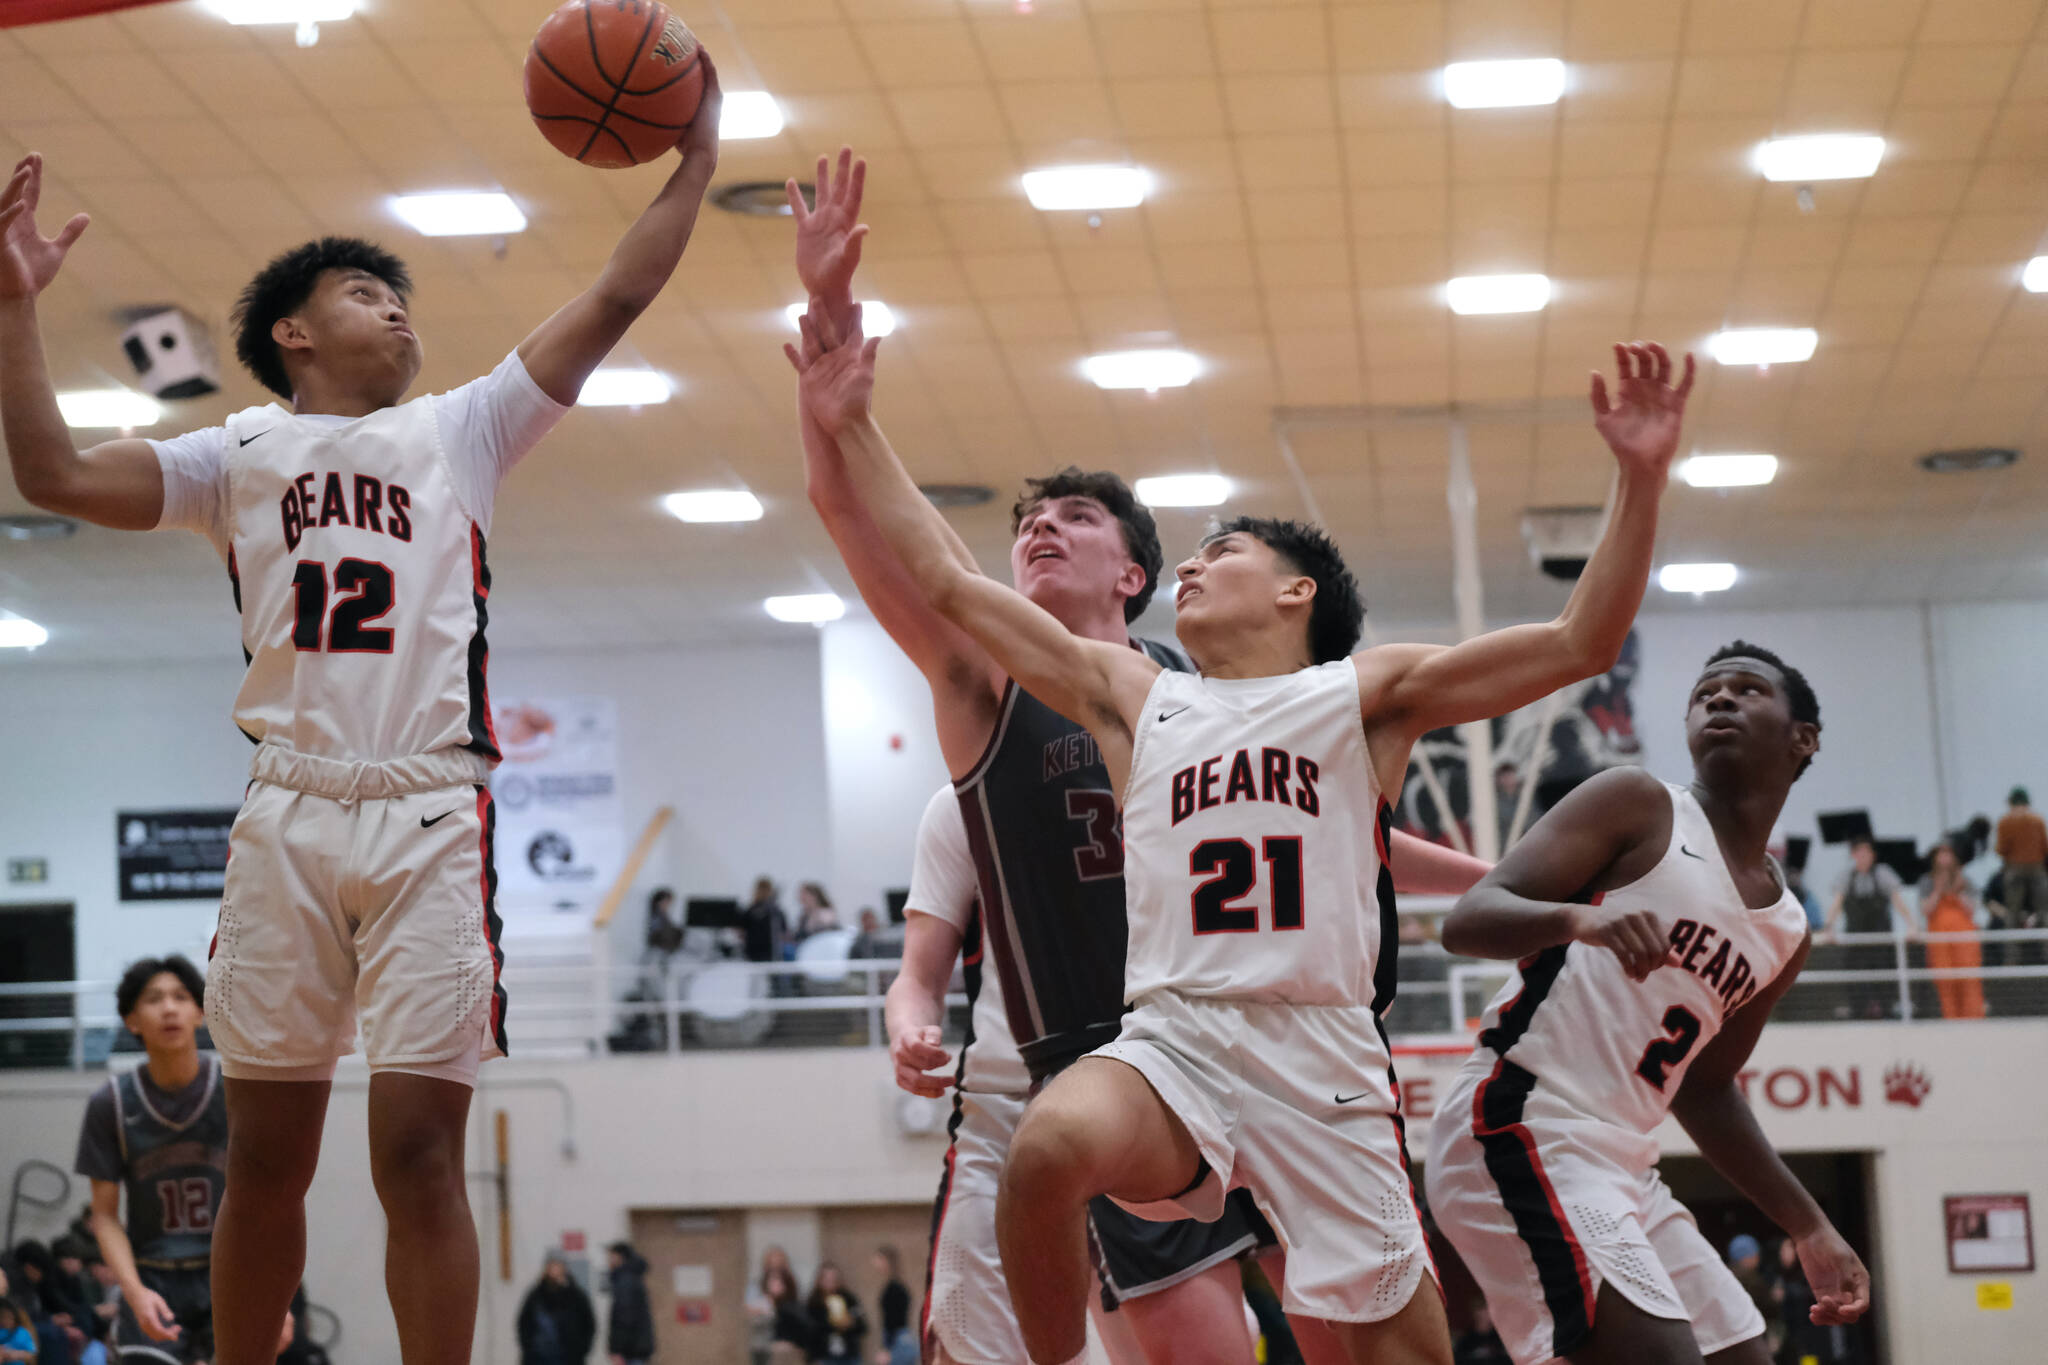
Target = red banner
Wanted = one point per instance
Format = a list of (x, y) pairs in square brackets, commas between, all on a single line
[(20, 13)]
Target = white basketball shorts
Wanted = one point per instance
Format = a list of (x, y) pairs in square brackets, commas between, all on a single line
[(967, 1301), (1297, 1105), (358, 892), (1546, 1205)]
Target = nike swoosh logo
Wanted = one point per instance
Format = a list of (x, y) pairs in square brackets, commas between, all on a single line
[(1346, 1099), (1689, 853), (1165, 716), (257, 437), (425, 823)]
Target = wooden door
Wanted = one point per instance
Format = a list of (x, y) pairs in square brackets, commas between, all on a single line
[(851, 1234), (706, 1324)]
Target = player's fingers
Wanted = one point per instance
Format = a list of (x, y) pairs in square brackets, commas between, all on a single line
[(1599, 395), (860, 185), (821, 185), (1621, 363), (73, 230), (930, 1034), (867, 352), (796, 361), (797, 207), (11, 212), (1685, 384), (842, 177), (853, 241), (1661, 359)]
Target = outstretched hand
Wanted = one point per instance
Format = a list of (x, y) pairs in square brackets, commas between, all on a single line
[(829, 236), (699, 142), (1840, 1284), (1641, 424), (29, 260), (835, 373)]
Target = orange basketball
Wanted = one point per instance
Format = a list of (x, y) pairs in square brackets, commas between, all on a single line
[(614, 82)]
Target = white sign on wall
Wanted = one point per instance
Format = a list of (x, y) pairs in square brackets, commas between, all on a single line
[(560, 842)]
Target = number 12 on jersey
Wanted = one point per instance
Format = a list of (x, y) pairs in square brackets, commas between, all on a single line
[(369, 597), (1232, 871)]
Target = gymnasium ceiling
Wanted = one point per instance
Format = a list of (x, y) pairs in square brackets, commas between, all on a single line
[(1313, 192)]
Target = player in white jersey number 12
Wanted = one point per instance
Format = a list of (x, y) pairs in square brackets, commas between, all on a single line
[(353, 530), (1653, 935), (1264, 779)]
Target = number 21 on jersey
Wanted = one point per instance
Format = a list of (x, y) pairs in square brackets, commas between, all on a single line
[(1232, 870)]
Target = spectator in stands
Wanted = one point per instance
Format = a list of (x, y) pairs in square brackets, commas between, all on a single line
[(899, 1343), (1795, 882), (60, 1321), (17, 1341), (557, 1325), (629, 1331), (815, 914), (2022, 846), (864, 942), (1870, 899), (1746, 1260), (790, 1331), (1479, 1344), (761, 1304), (1948, 904), (766, 926), (664, 930), (1794, 1300), (837, 1324)]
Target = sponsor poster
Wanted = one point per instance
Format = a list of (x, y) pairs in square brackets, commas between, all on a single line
[(560, 840), (172, 855)]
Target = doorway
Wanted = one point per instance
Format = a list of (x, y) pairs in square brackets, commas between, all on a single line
[(37, 943)]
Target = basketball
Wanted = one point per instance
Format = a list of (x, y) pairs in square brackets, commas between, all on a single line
[(613, 83)]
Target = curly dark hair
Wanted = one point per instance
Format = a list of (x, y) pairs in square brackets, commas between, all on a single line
[(1799, 693), (283, 286), (1336, 619), (1141, 532), (136, 980)]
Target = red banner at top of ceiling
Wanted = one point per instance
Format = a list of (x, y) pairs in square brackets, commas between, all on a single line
[(20, 13)]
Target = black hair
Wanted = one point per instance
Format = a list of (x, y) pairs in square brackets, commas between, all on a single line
[(136, 980), (33, 1255), (1141, 532), (282, 288), (2018, 797), (1336, 618), (1799, 693), (661, 893)]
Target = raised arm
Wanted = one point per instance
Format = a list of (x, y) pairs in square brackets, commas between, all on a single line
[(1097, 685), (116, 483), (1610, 830), (1408, 690), (561, 353), (1422, 868), (1711, 1107)]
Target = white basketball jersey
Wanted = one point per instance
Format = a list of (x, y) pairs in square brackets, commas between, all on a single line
[(362, 586), (1617, 1049), (1254, 843)]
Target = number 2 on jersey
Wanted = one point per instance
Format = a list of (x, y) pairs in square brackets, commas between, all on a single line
[(348, 630), (1681, 1031), (1234, 872)]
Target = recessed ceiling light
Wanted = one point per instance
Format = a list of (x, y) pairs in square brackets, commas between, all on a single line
[(809, 608), (1501, 85), (625, 388), (460, 213), (2035, 276), (1087, 187), (1696, 577), (957, 494), (282, 11), (1969, 460), (1828, 156), (1763, 345), (713, 504), (36, 526), (877, 319), (1729, 471), (749, 114), (110, 408), (18, 632), (1147, 370), (1183, 490), (1497, 293), (760, 198)]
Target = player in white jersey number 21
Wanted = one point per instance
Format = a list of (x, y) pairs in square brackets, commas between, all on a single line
[(353, 530), (1255, 819), (1654, 935)]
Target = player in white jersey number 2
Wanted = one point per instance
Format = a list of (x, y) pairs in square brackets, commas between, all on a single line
[(1654, 935), (1255, 818), (353, 530)]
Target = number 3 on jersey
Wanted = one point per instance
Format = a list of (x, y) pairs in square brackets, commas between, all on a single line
[(368, 587), (1232, 871)]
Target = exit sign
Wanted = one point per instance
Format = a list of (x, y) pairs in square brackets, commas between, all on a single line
[(21, 870)]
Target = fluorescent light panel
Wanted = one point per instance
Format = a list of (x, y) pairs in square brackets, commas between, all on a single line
[(625, 388), (749, 114), (1827, 156), (1471, 294), (1147, 370), (1696, 577), (1729, 471), (1502, 85), (460, 213), (2035, 276), (1183, 490), (109, 408), (877, 319), (1087, 187), (809, 608), (18, 632), (713, 505), (282, 11), (1763, 345)]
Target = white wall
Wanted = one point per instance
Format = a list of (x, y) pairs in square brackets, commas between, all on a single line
[(1991, 681), (882, 760)]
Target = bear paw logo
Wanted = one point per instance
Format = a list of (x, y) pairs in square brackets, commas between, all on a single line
[(1906, 1084)]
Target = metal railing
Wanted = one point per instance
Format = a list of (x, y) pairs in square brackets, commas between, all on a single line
[(583, 1008)]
